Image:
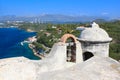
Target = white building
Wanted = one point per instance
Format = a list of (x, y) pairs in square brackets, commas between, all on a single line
[(94, 41)]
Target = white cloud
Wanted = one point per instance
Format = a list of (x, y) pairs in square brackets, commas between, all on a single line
[(104, 13)]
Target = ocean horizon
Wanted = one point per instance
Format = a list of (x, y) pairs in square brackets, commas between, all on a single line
[(10, 43)]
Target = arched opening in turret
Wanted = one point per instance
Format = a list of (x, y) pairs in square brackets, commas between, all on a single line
[(70, 41), (71, 50), (87, 55)]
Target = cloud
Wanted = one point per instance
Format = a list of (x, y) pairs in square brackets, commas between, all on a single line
[(104, 13)]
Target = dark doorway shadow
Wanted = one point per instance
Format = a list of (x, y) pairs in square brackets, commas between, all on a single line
[(87, 55)]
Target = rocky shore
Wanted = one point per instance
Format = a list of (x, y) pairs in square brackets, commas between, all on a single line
[(36, 53)]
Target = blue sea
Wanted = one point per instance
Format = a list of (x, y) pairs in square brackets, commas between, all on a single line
[(10, 43)]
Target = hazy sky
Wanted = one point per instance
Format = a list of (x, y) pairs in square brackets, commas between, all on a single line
[(68, 7)]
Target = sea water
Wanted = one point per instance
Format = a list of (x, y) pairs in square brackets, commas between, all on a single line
[(10, 43)]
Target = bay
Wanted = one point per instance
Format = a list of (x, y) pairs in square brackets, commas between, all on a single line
[(10, 39)]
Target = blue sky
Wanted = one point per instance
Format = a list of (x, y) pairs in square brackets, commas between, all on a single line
[(68, 7)]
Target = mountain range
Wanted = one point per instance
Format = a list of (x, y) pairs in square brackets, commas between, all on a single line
[(52, 18)]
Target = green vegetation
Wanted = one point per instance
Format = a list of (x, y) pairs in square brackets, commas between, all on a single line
[(48, 34), (33, 26), (52, 34), (113, 29)]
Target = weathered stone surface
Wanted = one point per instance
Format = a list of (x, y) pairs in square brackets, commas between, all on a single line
[(94, 33), (95, 40), (96, 68), (17, 69)]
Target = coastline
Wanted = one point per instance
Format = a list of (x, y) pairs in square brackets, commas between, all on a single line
[(29, 30), (36, 53), (30, 45), (12, 43), (10, 27)]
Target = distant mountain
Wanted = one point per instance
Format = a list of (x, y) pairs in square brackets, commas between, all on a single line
[(52, 18)]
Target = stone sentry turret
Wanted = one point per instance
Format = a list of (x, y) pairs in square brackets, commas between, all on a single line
[(94, 41)]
